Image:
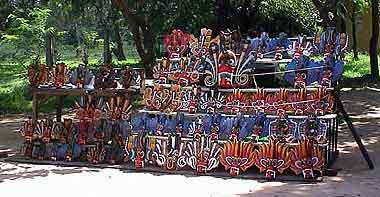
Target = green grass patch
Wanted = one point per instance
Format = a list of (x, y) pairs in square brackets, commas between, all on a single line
[(356, 68), (13, 95)]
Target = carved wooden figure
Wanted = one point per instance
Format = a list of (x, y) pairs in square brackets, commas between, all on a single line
[(272, 158), (237, 157), (306, 159)]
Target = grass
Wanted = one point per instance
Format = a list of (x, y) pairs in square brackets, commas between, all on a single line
[(14, 97), (356, 68), (67, 55)]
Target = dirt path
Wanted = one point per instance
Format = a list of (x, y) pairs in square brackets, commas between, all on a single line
[(354, 179)]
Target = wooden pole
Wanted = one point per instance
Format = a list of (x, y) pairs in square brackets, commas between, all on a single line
[(35, 108), (59, 108), (354, 133), (373, 53)]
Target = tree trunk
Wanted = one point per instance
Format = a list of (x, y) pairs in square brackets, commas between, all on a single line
[(222, 13), (144, 41), (107, 56), (54, 52), (324, 7), (343, 25), (142, 34), (354, 38), (77, 35), (48, 50), (118, 51), (248, 15), (374, 41), (85, 55)]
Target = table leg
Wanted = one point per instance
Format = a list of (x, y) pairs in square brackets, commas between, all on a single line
[(59, 108), (35, 108)]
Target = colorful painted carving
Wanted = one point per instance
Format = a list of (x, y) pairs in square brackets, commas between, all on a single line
[(135, 150), (272, 158), (105, 78), (211, 103), (60, 75), (200, 46), (221, 61), (283, 128), (331, 43), (169, 153), (313, 129), (237, 157), (306, 159), (87, 111), (43, 148), (118, 108), (176, 98), (81, 77), (202, 154), (177, 43), (66, 140), (117, 142), (38, 74), (301, 47), (127, 76), (27, 132), (202, 109), (324, 102), (157, 98)]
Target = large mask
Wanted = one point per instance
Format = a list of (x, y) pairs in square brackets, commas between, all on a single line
[(237, 157)]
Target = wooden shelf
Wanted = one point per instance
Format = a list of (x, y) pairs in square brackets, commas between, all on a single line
[(325, 117), (79, 92), (248, 90), (222, 141)]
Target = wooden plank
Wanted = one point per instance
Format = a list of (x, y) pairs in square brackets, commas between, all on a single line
[(273, 61), (251, 90), (324, 117), (79, 92)]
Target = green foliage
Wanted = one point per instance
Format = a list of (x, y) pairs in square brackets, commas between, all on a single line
[(5, 9), (26, 34), (361, 5), (303, 13), (165, 15), (12, 89), (346, 13)]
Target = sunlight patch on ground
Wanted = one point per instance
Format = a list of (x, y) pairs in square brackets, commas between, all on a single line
[(106, 182), (347, 147)]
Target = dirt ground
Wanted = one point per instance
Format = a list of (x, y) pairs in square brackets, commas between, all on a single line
[(354, 178)]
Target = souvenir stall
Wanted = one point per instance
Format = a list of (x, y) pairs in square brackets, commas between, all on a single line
[(206, 111)]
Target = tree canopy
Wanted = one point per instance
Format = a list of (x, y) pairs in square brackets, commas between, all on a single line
[(85, 23)]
